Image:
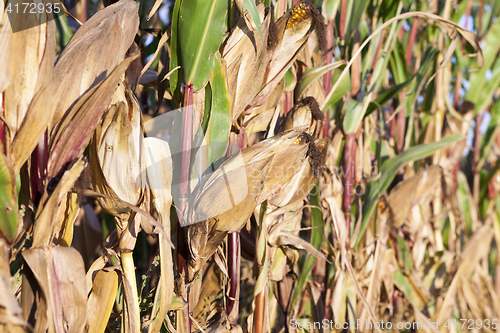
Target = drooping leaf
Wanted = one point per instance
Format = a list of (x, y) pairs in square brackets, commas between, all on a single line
[(315, 73), (73, 138), (316, 239), (60, 274), (388, 172), (252, 9)]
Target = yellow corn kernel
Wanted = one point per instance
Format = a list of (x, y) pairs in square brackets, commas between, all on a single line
[(299, 13)]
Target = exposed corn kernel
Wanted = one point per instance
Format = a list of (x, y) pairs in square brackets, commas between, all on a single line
[(299, 13)]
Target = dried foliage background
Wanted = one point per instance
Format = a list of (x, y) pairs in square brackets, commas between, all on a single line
[(368, 184)]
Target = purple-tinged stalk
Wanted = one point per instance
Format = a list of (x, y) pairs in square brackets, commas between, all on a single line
[(392, 123), (281, 7), (359, 159), (348, 176), (411, 41), (234, 257), (355, 68), (234, 260), (187, 134), (458, 85), (288, 101), (39, 168), (343, 14), (260, 310), (477, 147), (480, 19), (377, 52)]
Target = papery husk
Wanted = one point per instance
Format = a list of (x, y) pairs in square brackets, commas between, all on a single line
[(159, 182), (96, 48), (50, 216), (101, 300), (417, 189), (261, 117), (305, 113), (5, 33), (248, 180), (31, 62), (246, 58), (204, 237), (84, 63), (10, 311), (292, 34), (299, 187), (115, 154)]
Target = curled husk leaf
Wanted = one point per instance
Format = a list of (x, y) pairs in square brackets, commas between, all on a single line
[(246, 179)]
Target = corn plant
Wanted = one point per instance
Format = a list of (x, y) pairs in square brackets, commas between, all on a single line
[(249, 166)]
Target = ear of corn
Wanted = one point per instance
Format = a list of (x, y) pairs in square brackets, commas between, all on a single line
[(276, 168)]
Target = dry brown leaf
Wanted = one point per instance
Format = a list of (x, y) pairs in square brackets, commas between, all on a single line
[(71, 140), (476, 248), (410, 192), (88, 58), (60, 274), (11, 318), (5, 32), (44, 230), (31, 62), (96, 48)]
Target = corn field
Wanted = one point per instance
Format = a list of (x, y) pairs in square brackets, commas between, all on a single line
[(249, 166)]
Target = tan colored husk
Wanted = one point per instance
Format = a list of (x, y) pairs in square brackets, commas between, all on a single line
[(109, 32), (31, 62), (246, 57), (267, 165), (96, 48), (291, 42), (45, 231), (5, 33), (159, 182), (115, 153)]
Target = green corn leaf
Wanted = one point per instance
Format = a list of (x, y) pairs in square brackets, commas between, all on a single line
[(252, 9), (340, 91), (478, 79), (385, 96), (316, 240), (175, 77), (315, 73), (200, 29), (219, 123), (8, 208), (491, 132)]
